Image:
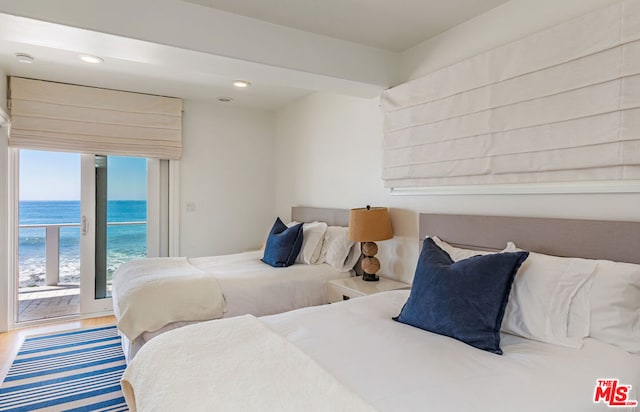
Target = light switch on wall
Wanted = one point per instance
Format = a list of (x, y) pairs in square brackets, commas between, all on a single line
[(191, 207)]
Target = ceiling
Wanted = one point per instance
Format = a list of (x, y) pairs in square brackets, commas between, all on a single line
[(230, 39), (391, 25), (132, 65)]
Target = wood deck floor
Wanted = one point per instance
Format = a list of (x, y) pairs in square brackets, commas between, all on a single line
[(45, 302)]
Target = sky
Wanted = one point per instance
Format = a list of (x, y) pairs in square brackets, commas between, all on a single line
[(56, 176)]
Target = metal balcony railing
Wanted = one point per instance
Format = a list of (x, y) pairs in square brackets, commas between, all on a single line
[(52, 246)]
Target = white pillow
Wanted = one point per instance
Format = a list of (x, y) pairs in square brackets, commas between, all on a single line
[(312, 238), (549, 299), (351, 260), (457, 253), (338, 250), (548, 295), (615, 305)]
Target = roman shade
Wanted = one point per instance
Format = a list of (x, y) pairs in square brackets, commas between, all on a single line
[(64, 117), (561, 105)]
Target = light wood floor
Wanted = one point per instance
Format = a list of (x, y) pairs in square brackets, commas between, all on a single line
[(10, 341)]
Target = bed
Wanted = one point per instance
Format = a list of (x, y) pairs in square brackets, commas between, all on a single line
[(216, 286), (353, 356)]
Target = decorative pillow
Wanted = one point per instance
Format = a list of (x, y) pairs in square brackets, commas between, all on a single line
[(547, 302), (615, 305), (464, 300), (312, 237), (283, 244), (337, 248)]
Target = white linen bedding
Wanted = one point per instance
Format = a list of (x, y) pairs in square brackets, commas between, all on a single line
[(395, 367), (249, 286), (176, 290), (253, 287), (279, 379)]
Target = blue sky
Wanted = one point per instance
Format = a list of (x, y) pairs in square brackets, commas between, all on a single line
[(56, 176)]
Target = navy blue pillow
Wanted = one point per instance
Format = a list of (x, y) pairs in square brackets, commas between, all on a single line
[(464, 300), (283, 244)]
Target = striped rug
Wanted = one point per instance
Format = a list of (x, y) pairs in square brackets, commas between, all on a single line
[(78, 370)]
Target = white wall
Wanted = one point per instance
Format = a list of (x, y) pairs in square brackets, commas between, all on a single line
[(329, 150), (227, 171)]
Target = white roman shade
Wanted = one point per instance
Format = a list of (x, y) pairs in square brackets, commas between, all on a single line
[(561, 105), (64, 117)]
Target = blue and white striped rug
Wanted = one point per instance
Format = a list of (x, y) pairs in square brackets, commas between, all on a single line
[(67, 371)]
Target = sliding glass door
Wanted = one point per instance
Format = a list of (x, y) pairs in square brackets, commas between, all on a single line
[(113, 223), (80, 216)]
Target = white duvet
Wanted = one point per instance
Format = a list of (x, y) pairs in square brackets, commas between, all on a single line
[(157, 291), (395, 367), (279, 377), (248, 286)]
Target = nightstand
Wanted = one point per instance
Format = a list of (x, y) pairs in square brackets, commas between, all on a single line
[(353, 287)]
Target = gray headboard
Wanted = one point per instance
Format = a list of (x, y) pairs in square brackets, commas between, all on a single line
[(333, 217), (592, 239)]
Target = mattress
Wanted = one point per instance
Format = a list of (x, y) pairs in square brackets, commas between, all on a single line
[(395, 367)]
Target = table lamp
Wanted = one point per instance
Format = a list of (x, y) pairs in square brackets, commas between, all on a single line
[(368, 225)]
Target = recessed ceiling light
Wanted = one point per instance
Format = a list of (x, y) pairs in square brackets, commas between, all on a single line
[(225, 99), (24, 58), (241, 83), (87, 58)]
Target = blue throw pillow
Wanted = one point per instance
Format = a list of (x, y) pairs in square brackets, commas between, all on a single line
[(464, 300), (283, 244)]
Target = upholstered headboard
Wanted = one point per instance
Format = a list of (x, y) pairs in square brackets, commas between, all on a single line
[(592, 239), (333, 217)]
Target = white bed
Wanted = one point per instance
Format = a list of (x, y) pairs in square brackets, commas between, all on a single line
[(250, 286), (352, 353), (391, 366), (147, 305)]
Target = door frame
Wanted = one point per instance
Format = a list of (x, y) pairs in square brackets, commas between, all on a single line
[(11, 239), (88, 302)]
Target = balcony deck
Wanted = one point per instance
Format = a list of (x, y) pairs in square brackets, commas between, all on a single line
[(45, 302), (55, 299)]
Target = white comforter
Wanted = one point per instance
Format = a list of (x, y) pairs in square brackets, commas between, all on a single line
[(248, 285), (157, 291), (395, 367), (256, 370)]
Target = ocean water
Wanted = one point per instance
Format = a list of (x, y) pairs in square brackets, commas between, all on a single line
[(124, 242)]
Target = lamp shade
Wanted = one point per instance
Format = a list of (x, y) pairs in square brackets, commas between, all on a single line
[(370, 224)]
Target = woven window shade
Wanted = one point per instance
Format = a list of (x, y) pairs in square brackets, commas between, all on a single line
[(561, 105), (64, 117)]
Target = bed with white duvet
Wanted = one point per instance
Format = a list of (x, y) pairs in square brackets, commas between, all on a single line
[(389, 366), (152, 296)]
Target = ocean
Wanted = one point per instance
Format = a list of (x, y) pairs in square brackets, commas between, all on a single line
[(124, 242)]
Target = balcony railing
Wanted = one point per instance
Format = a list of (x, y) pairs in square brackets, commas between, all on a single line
[(52, 246)]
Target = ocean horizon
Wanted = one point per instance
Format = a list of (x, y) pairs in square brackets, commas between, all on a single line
[(124, 242)]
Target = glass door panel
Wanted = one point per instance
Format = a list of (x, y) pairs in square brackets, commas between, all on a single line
[(48, 235), (115, 216)]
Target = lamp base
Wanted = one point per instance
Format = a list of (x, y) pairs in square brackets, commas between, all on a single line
[(369, 277)]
